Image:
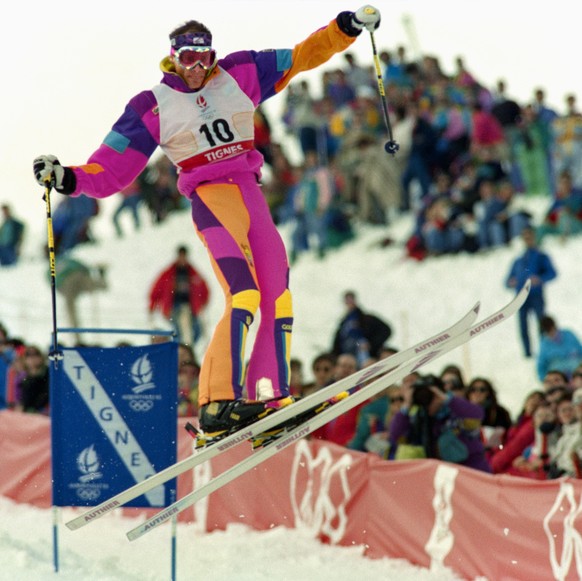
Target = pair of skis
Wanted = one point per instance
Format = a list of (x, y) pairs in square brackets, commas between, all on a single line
[(372, 380)]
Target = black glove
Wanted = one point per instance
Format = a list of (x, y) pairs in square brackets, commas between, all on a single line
[(345, 21), (48, 171)]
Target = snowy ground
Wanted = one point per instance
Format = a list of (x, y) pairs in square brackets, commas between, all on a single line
[(100, 552), (417, 299)]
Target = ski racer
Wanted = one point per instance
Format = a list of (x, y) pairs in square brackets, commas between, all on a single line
[(201, 115)]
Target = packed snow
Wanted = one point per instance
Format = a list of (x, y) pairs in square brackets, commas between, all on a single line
[(101, 552)]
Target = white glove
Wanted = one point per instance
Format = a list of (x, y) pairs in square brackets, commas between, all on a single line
[(48, 171), (366, 17)]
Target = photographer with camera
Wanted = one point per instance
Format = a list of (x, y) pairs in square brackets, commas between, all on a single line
[(435, 424)]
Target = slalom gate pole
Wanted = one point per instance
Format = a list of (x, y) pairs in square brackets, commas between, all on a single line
[(55, 354), (56, 518), (390, 146), (174, 546)]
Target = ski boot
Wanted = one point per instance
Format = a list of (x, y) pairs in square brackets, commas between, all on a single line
[(219, 419)]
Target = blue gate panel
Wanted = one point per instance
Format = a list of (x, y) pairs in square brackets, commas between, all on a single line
[(113, 413)]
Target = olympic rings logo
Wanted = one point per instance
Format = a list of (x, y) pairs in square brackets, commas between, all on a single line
[(141, 405), (88, 494)]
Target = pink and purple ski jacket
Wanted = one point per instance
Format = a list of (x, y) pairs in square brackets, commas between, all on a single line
[(209, 136)]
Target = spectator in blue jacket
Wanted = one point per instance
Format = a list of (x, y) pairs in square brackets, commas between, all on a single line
[(71, 221), (537, 266), (559, 349), (487, 212), (313, 197), (11, 233), (419, 165)]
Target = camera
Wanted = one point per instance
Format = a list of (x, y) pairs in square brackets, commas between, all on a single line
[(422, 395)]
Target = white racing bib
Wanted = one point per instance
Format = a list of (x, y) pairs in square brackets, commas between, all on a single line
[(212, 124)]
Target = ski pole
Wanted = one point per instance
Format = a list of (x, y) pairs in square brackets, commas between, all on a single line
[(55, 354), (390, 146)]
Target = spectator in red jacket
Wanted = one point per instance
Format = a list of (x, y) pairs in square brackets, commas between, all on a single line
[(519, 437), (180, 294), (342, 429)]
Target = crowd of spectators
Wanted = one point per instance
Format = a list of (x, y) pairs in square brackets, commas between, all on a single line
[(24, 375), (462, 421), (468, 156)]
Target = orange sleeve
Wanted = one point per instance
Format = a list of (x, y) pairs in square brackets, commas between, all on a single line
[(315, 50)]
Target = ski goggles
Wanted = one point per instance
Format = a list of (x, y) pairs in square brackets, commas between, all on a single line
[(191, 56)]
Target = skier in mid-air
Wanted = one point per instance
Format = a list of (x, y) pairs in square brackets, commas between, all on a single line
[(201, 115)]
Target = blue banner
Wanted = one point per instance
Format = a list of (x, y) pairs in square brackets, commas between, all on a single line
[(114, 418)]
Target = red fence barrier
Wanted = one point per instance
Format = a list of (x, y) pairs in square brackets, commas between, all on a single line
[(430, 513)]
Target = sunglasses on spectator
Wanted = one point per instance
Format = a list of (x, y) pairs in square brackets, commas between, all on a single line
[(399, 399), (191, 56), (479, 390)]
